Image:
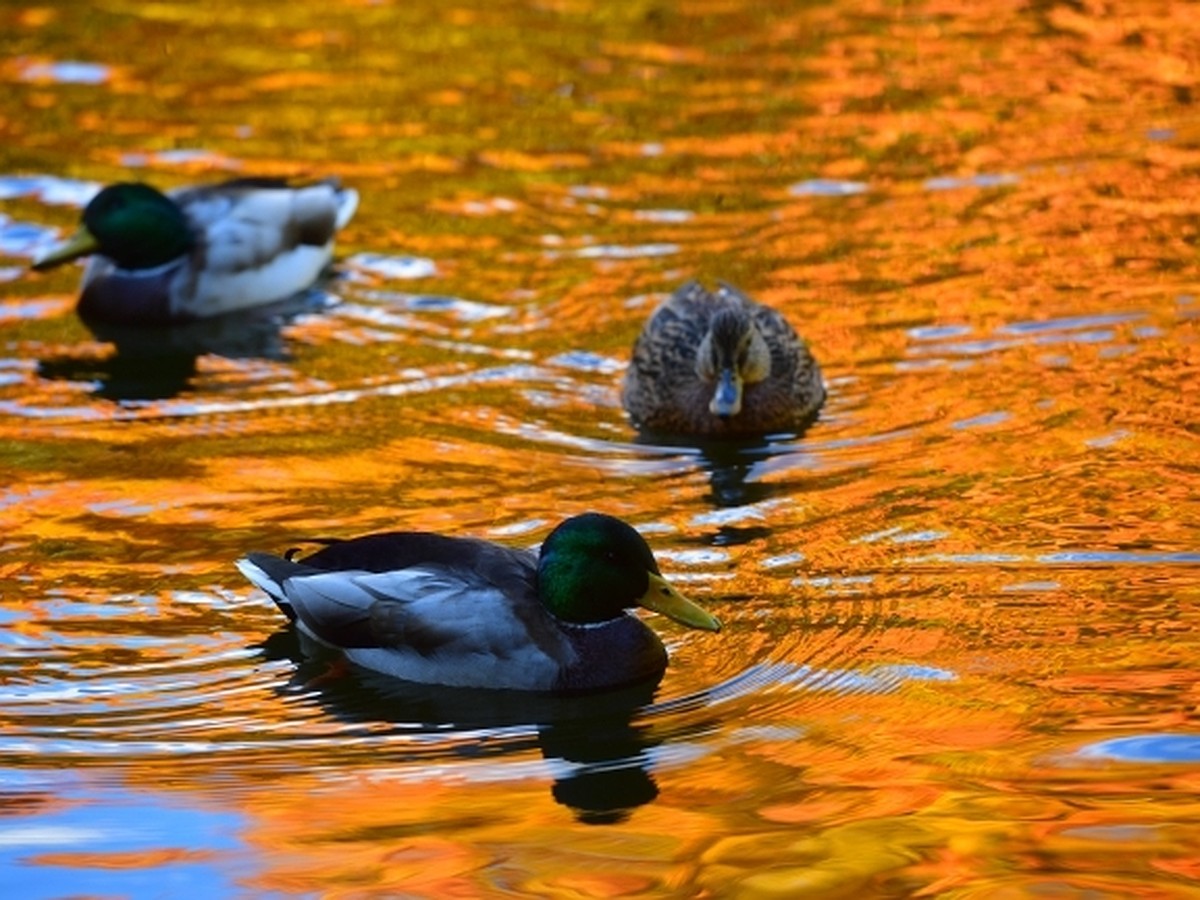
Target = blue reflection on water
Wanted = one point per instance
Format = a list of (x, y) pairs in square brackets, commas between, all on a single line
[(1146, 748), (1117, 556), (938, 332), (665, 216), (984, 180), (26, 309), (396, 267), (1107, 440), (191, 847), (945, 340), (621, 251), (1067, 557), (913, 672), (586, 361), (826, 187), (59, 191), (992, 418), (67, 72), (23, 238), (1067, 323)]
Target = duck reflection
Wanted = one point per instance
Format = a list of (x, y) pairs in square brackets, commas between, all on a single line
[(601, 754), (732, 475), (735, 470), (158, 362), (609, 777)]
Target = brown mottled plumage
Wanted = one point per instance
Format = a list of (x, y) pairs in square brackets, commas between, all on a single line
[(719, 365)]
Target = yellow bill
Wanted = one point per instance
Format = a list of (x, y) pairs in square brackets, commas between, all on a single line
[(81, 243), (660, 597)]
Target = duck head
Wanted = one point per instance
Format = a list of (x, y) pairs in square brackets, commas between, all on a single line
[(592, 567), (134, 225), (732, 354)]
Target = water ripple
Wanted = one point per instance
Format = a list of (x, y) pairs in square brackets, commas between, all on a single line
[(763, 678), (982, 180), (51, 189), (620, 251), (1145, 748), (824, 187), (66, 72), (185, 408), (1063, 558), (395, 267)]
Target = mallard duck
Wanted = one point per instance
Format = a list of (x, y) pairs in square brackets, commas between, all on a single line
[(196, 252), (719, 365), (464, 612)]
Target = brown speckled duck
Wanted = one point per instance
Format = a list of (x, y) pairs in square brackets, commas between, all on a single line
[(719, 365)]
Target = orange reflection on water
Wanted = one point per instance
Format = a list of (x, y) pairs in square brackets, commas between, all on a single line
[(974, 567), (382, 835)]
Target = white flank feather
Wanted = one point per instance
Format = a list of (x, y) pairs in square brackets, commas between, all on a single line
[(250, 254), (280, 277)]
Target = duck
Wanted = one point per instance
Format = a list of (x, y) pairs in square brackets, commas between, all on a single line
[(201, 251), (465, 612), (720, 365)]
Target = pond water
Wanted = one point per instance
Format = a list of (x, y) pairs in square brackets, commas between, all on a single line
[(961, 654)]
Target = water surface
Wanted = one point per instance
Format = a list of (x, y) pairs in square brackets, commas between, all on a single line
[(960, 643)]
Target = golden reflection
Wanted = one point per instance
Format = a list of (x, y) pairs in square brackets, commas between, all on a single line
[(979, 564), (136, 860)]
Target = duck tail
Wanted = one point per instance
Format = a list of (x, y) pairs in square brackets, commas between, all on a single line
[(268, 573), (347, 205), (345, 200)]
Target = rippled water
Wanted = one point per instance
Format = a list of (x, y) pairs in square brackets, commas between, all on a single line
[(960, 643)]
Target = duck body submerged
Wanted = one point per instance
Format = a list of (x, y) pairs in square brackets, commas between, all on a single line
[(464, 612), (720, 365), (196, 252)]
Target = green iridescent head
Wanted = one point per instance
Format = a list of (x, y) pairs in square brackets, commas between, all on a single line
[(134, 225), (593, 567)]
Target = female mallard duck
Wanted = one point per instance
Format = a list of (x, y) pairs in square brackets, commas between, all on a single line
[(464, 612), (201, 251), (720, 365)]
